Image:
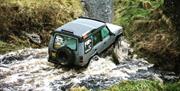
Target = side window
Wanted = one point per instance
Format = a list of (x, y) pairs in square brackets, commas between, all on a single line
[(96, 37), (104, 32), (88, 45)]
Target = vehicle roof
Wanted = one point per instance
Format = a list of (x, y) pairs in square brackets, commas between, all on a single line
[(81, 26)]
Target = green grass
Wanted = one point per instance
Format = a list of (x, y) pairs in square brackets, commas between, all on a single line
[(145, 85)]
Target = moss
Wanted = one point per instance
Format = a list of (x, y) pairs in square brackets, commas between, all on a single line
[(138, 85)]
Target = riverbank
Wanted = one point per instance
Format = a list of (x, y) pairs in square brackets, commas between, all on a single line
[(22, 20), (151, 31)]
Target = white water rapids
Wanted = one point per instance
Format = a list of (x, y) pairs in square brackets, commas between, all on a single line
[(29, 70)]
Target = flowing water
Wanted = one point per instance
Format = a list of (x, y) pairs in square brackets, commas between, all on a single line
[(28, 69)]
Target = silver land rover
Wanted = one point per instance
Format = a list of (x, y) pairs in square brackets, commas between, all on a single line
[(76, 42)]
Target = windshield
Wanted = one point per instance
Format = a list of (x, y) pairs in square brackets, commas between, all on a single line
[(65, 40)]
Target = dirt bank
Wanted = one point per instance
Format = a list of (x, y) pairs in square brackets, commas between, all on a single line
[(21, 17)]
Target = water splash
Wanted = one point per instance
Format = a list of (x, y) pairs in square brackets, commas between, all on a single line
[(28, 69)]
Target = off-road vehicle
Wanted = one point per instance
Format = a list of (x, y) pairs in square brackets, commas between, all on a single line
[(78, 41)]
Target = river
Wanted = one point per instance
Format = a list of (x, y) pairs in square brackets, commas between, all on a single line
[(28, 69)]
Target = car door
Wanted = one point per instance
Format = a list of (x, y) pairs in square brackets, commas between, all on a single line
[(106, 37), (97, 41), (88, 48)]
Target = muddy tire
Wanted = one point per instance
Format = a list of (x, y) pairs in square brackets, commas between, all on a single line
[(65, 56)]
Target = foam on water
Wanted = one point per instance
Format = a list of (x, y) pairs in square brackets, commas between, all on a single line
[(28, 69)]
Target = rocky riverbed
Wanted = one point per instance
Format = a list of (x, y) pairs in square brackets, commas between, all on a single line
[(28, 69)]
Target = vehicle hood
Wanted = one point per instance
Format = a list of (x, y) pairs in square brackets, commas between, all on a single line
[(115, 29)]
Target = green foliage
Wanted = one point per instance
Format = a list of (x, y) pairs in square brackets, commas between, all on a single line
[(172, 86), (128, 10), (145, 85), (135, 16), (150, 31), (142, 85)]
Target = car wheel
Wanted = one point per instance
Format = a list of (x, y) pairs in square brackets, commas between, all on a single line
[(65, 56)]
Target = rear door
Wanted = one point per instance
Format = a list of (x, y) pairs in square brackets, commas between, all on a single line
[(93, 44), (88, 48)]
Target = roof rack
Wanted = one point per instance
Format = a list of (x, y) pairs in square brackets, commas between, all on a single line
[(92, 19)]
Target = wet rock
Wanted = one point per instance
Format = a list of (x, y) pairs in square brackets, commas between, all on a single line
[(20, 55), (2, 76), (98, 9), (34, 38), (169, 76), (98, 82), (30, 89), (14, 56), (6, 87), (172, 78), (9, 58), (4, 66)]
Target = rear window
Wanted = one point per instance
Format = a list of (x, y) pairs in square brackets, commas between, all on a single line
[(65, 40)]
